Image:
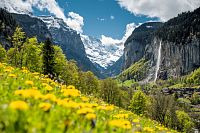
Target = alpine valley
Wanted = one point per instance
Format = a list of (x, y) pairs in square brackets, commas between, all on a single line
[(154, 73)]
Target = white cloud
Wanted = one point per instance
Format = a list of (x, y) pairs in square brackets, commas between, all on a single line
[(163, 9), (110, 41), (112, 17), (74, 21)]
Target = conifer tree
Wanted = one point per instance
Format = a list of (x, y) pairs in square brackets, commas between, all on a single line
[(48, 58)]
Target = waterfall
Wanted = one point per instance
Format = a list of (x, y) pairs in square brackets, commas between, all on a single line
[(158, 61)]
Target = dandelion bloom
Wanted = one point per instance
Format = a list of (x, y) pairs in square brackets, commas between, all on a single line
[(45, 106), (12, 75), (90, 116), (148, 129), (28, 82), (120, 124), (19, 105), (71, 92), (85, 111)]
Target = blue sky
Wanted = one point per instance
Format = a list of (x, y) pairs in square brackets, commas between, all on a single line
[(101, 17), (97, 16), (93, 17)]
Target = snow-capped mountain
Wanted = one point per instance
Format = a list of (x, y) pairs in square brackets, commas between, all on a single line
[(104, 55), (70, 42)]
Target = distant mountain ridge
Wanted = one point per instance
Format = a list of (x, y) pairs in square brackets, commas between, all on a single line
[(104, 55)]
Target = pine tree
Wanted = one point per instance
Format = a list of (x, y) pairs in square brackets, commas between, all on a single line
[(48, 58)]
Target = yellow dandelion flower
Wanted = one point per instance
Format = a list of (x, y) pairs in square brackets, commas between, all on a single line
[(70, 104), (90, 116), (19, 105), (8, 70), (85, 111), (135, 120), (71, 92), (28, 82), (107, 108), (70, 87), (119, 116), (48, 88), (35, 73), (148, 129), (84, 99), (25, 71), (29, 93), (120, 124), (12, 75), (51, 97), (45, 106)]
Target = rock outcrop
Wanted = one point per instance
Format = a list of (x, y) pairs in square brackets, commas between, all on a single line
[(180, 49)]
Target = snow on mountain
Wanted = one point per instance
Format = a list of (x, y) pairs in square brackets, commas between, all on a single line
[(102, 54)]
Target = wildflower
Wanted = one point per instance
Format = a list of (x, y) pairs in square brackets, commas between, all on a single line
[(8, 70), (35, 73), (45, 106), (12, 75), (120, 124), (25, 71), (71, 92), (135, 121), (87, 105), (107, 108), (29, 93), (51, 97), (85, 111), (148, 129), (28, 82), (90, 116), (70, 87), (48, 88), (70, 104), (19, 105), (84, 99), (124, 116)]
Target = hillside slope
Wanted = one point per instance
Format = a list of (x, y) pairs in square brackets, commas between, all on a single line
[(32, 103)]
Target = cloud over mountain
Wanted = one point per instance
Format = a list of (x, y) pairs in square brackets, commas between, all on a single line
[(163, 9), (74, 20)]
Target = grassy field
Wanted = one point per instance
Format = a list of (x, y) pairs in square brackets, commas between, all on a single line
[(31, 102)]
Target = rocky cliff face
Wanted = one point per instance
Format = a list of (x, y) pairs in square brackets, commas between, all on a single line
[(135, 45), (176, 59), (180, 45), (32, 26), (70, 42)]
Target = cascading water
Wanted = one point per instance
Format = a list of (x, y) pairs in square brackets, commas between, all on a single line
[(158, 61)]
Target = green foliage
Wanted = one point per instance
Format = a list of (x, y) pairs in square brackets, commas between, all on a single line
[(162, 109), (194, 77), (89, 83), (110, 91), (138, 103), (48, 58), (195, 99), (3, 56), (184, 104), (185, 123), (12, 56), (18, 37), (32, 55), (135, 72)]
